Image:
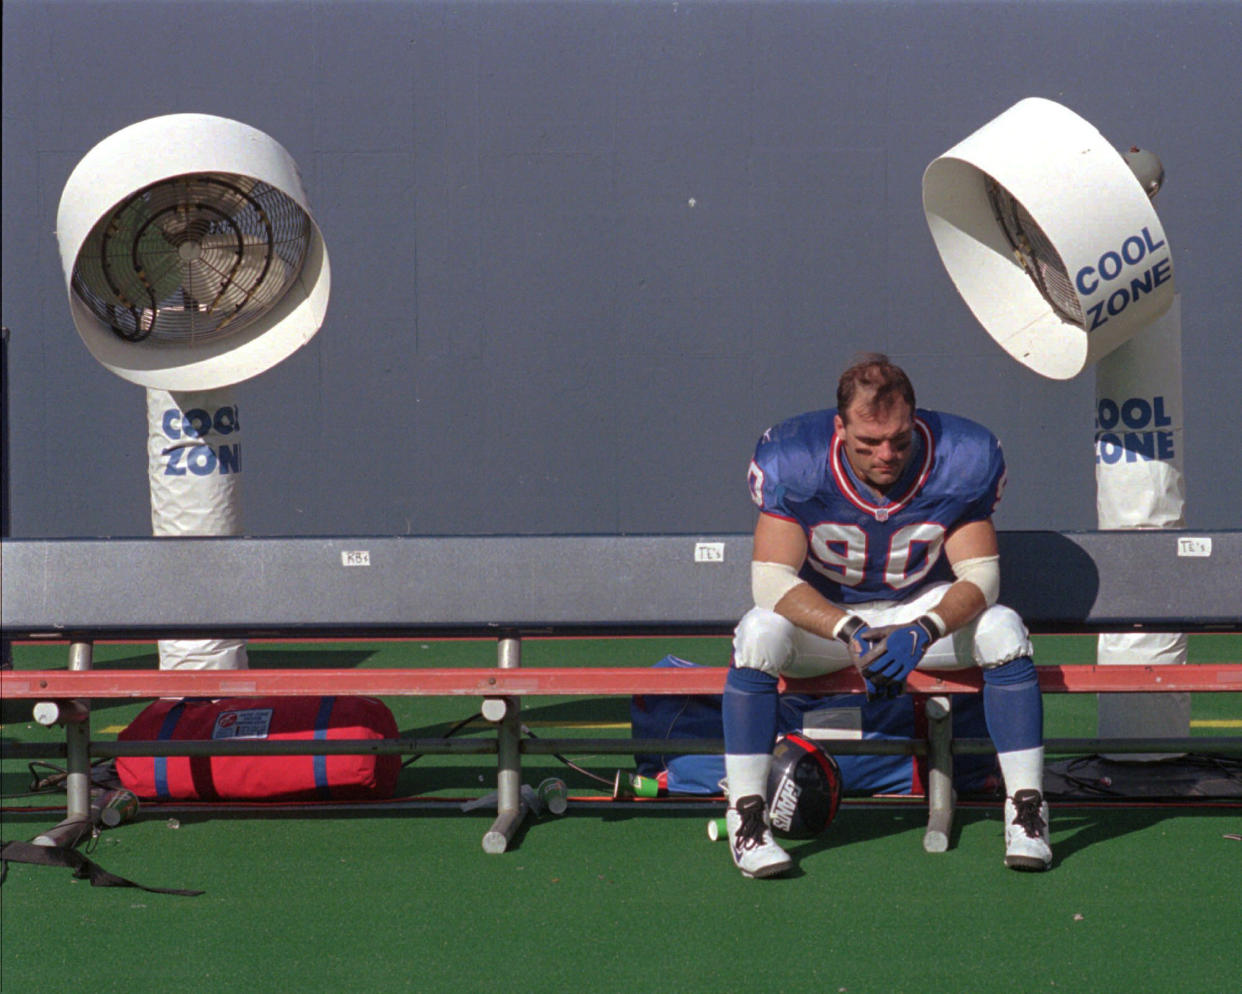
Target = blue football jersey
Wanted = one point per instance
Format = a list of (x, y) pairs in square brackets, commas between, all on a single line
[(866, 547)]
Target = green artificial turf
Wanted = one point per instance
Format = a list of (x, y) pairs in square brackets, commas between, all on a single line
[(624, 900), (617, 897)]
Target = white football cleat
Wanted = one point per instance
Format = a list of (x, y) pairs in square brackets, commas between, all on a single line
[(754, 850), (1026, 831)]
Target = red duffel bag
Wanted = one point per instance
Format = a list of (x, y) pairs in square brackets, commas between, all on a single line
[(261, 778)]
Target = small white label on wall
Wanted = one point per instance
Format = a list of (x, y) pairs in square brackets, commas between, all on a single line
[(709, 552), (361, 557), (1194, 546)]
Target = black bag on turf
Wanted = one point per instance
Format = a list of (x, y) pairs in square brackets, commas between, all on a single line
[(820, 719)]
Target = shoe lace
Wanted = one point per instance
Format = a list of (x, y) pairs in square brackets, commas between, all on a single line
[(1027, 815)]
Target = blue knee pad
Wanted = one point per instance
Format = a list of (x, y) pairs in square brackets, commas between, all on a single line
[(1013, 705), (750, 707)]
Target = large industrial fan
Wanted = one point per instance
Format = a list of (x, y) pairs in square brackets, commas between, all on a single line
[(190, 255), (1051, 238), (192, 263)]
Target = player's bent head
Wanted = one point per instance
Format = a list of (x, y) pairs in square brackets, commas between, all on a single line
[(877, 382)]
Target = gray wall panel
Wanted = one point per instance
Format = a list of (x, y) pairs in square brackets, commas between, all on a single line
[(532, 328), (356, 585)]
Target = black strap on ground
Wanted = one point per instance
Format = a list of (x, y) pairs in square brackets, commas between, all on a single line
[(83, 868)]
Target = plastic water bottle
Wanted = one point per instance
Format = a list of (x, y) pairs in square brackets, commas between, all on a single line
[(554, 795)]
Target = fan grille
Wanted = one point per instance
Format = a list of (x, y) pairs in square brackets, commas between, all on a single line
[(192, 259), (1035, 253)]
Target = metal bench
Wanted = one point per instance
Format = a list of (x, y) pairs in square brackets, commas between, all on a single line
[(508, 588)]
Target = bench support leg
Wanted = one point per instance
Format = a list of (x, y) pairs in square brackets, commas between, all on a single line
[(510, 809), (940, 797), (77, 823)]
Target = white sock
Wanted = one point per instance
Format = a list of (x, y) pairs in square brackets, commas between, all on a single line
[(1022, 769), (747, 774)]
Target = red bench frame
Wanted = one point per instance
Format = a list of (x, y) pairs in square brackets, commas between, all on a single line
[(503, 687)]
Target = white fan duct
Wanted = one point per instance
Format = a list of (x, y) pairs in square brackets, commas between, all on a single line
[(1050, 237), (192, 264), (1139, 441), (194, 467)]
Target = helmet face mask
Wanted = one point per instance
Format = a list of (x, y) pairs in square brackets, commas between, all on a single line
[(804, 788)]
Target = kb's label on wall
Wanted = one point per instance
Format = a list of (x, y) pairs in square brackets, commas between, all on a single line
[(199, 447), (1134, 430)]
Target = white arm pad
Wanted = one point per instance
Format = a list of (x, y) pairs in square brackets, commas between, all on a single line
[(769, 582), (984, 573)]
